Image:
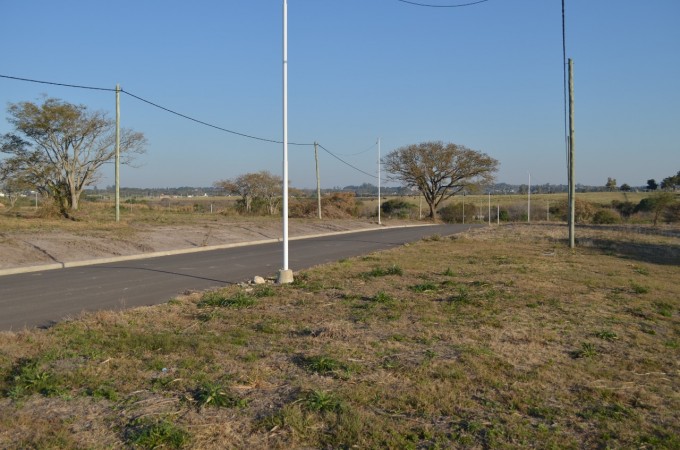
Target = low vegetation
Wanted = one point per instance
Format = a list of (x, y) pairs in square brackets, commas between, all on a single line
[(499, 338)]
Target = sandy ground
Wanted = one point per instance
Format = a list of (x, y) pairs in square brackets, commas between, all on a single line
[(21, 249)]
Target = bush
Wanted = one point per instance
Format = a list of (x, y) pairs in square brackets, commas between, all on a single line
[(338, 205), (398, 208), (645, 205), (583, 211), (451, 213), (672, 213), (626, 209), (606, 216)]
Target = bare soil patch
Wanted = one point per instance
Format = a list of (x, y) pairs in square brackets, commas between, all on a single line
[(46, 242)]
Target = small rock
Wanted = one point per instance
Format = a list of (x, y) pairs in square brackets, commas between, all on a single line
[(258, 280)]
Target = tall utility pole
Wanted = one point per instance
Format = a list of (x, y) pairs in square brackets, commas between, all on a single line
[(379, 182), (318, 180), (285, 274), (572, 183), (117, 153)]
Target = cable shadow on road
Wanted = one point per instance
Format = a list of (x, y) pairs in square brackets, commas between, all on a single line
[(196, 277), (363, 241)]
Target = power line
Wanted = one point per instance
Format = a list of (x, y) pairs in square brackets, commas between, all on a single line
[(361, 152), (152, 104), (273, 141), (345, 162), (460, 5), (58, 84)]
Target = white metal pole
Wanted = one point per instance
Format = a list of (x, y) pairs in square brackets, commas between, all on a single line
[(572, 180), (379, 182), (285, 274), (489, 207), (117, 174), (529, 201), (318, 181)]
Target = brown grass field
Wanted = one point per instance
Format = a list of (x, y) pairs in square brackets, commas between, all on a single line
[(499, 338)]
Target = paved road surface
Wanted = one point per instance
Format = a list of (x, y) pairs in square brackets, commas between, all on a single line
[(43, 298)]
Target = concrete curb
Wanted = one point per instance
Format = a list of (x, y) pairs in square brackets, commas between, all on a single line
[(114, 259)]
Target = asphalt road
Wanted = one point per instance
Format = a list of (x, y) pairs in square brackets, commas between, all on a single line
[(41, 299)]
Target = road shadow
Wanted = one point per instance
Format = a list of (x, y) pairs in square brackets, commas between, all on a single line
[(651, 253)]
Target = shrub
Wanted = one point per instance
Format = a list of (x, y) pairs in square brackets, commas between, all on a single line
[(645, 205), (338, 205), (583, 210), (606, 216), (398, 208), (672, 213), (626, 209), (453, 213)]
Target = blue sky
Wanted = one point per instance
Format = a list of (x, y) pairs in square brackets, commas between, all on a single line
[(487, 76)]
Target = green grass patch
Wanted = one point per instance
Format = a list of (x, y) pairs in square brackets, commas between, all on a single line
[(148, 434), (218, 299), (384, 271)]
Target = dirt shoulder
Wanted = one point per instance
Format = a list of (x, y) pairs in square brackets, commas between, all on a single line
[(23, 248)]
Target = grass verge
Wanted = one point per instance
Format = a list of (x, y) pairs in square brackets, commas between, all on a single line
[(500, 338)]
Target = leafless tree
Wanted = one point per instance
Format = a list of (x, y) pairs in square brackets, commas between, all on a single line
[(261, 185), (440, 170), (58, 148)]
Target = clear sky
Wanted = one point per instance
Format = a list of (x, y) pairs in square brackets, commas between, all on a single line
[(487, 76)]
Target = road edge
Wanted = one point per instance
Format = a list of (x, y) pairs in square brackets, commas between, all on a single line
[(115, 259)]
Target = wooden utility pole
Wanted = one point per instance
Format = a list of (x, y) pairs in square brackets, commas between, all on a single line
[(572, 182), (379, 223), (118, 153), (318, 180)]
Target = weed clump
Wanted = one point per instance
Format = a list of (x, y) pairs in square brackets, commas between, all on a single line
[(384, 271), (28, 378), (239, 300), (323, 365), (214, 394), (162, 434), (321, 401), (587, 350), (424, 287)]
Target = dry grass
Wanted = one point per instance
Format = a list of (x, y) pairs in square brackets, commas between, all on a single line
[(501, 338)]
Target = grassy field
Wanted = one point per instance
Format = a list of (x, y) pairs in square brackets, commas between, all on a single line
[(101, 214), (499, 338)]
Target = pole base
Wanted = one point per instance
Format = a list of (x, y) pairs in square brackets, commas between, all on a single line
[(285, 276)]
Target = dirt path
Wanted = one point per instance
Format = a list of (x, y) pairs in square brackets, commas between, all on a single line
[(28, 248)]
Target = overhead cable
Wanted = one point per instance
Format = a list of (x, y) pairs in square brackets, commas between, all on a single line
[(58, 84), (206, 123), (361, 152), (152, 104), (460, 5), (193, 119), (345, 162)]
